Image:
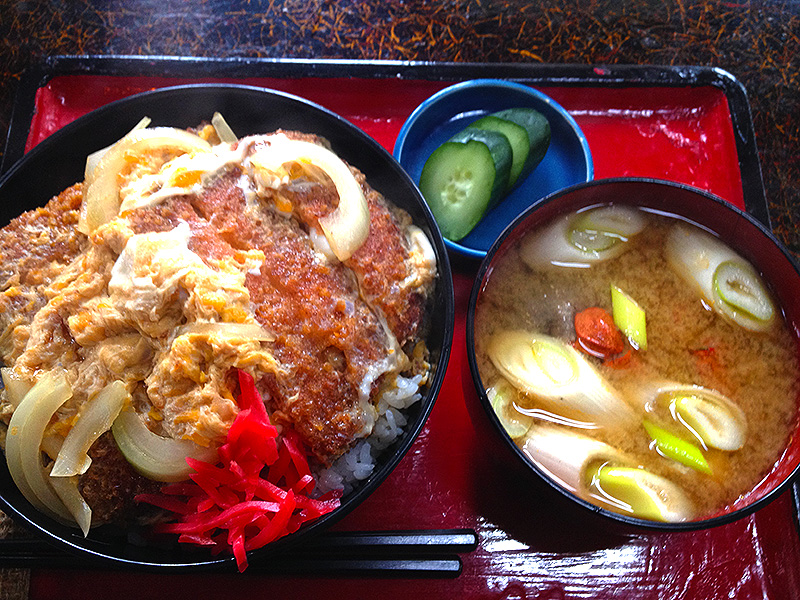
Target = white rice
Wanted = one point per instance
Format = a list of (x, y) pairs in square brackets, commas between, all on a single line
[(359, 462)]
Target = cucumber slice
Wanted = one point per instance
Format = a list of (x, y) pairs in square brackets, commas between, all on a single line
[(538, 128), (518, 138), (464, 178)]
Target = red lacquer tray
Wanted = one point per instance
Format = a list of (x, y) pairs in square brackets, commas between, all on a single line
[(690, 125)]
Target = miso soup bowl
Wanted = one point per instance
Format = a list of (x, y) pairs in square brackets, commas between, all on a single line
[(747, 236)]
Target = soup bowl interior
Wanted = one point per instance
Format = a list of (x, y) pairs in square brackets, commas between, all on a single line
[(248, 110), (741, 232)]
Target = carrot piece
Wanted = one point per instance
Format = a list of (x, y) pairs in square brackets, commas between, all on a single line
[(628, 359), (597, 333)]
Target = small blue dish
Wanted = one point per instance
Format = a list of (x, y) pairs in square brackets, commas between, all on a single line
[(568, 160)]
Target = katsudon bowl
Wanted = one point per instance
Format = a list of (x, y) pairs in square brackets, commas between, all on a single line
[(610, 316), (59, 161)]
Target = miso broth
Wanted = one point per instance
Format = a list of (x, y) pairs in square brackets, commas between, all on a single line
[(688, 344)]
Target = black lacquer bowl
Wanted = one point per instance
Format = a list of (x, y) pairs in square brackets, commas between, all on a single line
[(746, 235), (59, 161)]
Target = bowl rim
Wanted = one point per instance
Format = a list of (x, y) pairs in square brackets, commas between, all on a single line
[(444, 297), (498, 430), (461, 87)]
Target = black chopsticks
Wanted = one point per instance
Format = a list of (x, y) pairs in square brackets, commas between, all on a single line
[(423, 553), (420, 553), (431, 540)]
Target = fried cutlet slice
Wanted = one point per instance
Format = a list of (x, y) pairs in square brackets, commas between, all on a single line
[(387, 276), (34, 248), (330, 344)]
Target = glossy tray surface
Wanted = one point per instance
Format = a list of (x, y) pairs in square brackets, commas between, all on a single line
[(688, 131), (636, 131)]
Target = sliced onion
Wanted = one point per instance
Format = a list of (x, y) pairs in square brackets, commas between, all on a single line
[(101, 195), (726, 281), (421, 250), (581, 239), (95, 418), (94, 158), (224, 131), (23, 442), (15, 385), (156, 457), (51, 444), (347, 227), (67, 490), (250, 331), (557, 375)]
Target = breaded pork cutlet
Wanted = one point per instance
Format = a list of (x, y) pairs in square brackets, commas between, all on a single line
[(34, 248)]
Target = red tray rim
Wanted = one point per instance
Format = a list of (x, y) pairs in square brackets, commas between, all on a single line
[(567, 75)]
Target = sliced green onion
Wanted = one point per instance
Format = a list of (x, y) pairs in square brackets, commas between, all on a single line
[(603, 475), (629, 317), (599, 229), (713, 418), (726, 281), (567, 455), (95, 418), (557, 375), (558, 365), (640, 493), (580, 239), (621, 221), (739, 288), (677, 448), (592, 241), (155, 457), (501, 397)]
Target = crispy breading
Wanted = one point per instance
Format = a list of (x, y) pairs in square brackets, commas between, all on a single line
[(34, 249)]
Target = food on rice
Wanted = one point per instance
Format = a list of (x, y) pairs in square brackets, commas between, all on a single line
[(180, 265)]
